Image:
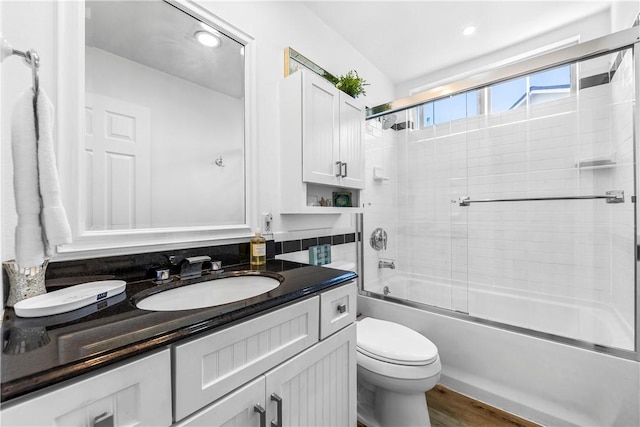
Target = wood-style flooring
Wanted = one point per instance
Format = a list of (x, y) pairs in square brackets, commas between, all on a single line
[(450, 409)]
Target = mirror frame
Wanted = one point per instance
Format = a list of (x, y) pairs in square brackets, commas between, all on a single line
[(69, 133)]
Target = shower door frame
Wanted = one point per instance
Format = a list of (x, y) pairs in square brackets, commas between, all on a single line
[(626, 39)]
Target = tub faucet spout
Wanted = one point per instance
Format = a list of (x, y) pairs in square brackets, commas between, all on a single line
[(386, 263)]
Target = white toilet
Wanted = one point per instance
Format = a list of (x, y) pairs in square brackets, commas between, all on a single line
[(396, 366)]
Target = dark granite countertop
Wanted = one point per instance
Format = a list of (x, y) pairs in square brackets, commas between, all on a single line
[(39, 352)]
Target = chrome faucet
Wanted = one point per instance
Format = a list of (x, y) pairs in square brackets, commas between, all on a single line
[(192, 266), (386, 263)]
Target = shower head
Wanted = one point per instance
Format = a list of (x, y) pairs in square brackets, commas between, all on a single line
[(388, 121)]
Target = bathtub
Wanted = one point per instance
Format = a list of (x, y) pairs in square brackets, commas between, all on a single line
[(595, 323), (546, 381)]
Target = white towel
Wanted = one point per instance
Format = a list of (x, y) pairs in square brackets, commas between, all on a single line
[(54, 218), (29, 243)]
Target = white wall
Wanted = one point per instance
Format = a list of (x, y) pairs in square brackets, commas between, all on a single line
[(623, 14)]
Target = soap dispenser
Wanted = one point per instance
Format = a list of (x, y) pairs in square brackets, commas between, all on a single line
[(258, 249)]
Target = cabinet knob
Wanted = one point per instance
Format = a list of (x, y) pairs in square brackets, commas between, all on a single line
[(342, 308)]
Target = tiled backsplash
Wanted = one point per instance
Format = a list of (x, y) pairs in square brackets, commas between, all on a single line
[(143, 265), (289, 246)]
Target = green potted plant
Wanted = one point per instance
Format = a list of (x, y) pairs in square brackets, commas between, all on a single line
[(352, 84)]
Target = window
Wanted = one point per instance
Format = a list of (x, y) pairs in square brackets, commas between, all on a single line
[(536, 88), (544, 86), (508, 95), (426, 113)]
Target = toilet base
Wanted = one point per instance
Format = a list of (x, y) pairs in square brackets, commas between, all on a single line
[(366, 403), (397, 409), (378, 407)]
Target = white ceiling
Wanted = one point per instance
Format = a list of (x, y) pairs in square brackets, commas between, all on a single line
[(408, 39)]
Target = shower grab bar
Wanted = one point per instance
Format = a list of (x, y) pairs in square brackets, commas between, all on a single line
[(614, 196)]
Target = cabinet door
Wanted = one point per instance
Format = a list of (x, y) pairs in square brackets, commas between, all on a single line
[(317, 387), (240, 408), (134, 393), (351, 136), (321, 130)]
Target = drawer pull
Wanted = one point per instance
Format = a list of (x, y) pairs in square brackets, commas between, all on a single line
[(278, 401), (342, 308), (263, 414), (103, 420)]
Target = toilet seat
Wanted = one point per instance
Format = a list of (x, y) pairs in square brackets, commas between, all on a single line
[(394, 343)]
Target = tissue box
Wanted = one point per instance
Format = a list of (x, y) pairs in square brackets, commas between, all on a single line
[(320, 255)]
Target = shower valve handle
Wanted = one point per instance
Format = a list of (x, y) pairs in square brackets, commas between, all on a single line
[(378, 239)]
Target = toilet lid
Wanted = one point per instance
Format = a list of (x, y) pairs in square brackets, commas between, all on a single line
[(394, 343)]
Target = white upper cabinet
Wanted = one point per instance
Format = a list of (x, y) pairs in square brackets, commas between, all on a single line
[(327, 126)]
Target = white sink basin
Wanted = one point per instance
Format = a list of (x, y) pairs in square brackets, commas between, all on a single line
[(209, 294)]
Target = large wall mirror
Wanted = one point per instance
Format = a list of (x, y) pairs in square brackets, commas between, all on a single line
[(162, 155)]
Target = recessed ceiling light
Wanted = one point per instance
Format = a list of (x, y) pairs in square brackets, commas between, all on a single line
[(206, 38), (469, 30)]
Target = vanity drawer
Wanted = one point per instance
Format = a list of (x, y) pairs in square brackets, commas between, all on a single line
[(207, 368), (133, 393), (337, 309)]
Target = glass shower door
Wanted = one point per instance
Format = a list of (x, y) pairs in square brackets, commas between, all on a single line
[(551, 229)]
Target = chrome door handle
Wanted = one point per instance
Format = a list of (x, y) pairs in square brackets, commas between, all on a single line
[(339, 165), (263, 414), (344, 174), (278, 401)]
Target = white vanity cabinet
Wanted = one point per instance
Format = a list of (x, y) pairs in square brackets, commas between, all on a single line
[(321, 130), (132, 393), (315, 387), (293, 365)]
